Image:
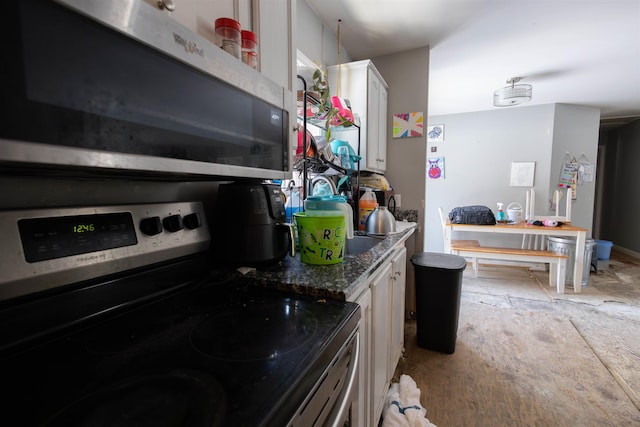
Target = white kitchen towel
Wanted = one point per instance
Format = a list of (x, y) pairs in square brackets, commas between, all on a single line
[(403, 407), (391, 415)]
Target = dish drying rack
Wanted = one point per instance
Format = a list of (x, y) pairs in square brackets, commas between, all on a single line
[(312, 113)]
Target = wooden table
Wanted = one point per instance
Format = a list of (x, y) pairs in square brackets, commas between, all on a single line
[(523, 228)]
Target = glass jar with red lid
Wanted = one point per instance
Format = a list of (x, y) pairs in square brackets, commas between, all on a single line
[(228, 35), (250, 49)]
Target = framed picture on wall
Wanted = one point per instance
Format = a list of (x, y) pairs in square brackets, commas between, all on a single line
[(522, 174)]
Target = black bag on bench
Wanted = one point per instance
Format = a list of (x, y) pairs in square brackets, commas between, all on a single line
[(478, 214)]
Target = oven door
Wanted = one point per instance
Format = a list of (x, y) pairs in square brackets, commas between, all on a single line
[(331, 399)]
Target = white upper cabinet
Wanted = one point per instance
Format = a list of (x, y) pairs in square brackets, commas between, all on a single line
[(200, 16), (271, 20), (277, 52), (364, 87)]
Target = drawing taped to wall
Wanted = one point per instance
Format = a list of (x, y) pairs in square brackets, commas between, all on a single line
[(407, 124), (435, 133), (522, 174), (435, 168)]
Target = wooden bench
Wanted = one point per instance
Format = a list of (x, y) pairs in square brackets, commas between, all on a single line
[(557, 261)]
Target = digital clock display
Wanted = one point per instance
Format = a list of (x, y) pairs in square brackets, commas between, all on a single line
[(84, 228), (57, 237)]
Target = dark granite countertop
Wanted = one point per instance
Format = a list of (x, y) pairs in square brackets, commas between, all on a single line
[(344, 281)]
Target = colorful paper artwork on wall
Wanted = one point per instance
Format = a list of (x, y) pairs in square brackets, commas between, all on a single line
[(569, 174), (435, 168), (435, 133), (407, 125)]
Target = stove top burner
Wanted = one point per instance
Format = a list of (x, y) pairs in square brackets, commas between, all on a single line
[(254, 331), (175, 398), (116, 339), (212, 346)]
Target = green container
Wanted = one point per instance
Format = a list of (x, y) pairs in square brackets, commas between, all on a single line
[(321, 238)]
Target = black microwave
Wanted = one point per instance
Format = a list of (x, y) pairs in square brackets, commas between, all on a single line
[(120, 85)]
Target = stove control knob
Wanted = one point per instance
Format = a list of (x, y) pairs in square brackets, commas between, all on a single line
[(192, 221), (151, 226), (173, 223)]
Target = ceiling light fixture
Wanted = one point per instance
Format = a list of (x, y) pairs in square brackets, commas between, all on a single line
[(512, 95)]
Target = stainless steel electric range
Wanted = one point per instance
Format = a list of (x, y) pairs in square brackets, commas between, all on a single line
[(113, 316)]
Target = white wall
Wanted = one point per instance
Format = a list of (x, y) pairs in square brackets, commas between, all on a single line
[(479, 147), (575, 132), (317, 41)]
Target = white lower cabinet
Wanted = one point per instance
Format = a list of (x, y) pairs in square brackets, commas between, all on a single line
[(381, 328), (361, 412), (398, 284), (381, 334)]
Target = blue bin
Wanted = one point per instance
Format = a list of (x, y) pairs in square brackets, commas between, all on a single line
[(603, 249)]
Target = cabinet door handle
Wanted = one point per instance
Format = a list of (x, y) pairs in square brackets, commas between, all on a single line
[(167, 4)]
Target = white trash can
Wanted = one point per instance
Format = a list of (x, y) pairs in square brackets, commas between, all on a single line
[(567, 246)]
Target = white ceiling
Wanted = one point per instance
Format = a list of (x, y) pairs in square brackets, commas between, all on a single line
[(584, 52)]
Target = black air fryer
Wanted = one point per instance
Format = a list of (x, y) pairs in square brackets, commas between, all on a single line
[(250, 226)]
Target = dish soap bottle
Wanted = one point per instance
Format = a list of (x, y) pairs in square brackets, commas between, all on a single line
[(366, 204), (500, 217)]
